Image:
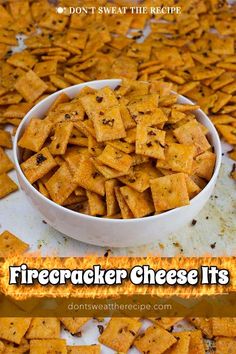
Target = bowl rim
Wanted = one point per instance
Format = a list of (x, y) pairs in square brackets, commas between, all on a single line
[(51, 203)]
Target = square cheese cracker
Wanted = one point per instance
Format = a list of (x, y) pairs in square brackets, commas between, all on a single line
[(5, 139), (109, 125), (11, 245), (115, 158), (178, 158), (225, 345), (44, 328), (169, 192), (13, 328), (46, 346), (35, 134), (84, 349), (61, 184), (155, 340), (30, 86), (224, 326), (7, 185), (6, 164), (182, 345), (191, 134), (139, 203), (38, 165), (88, 177), (120, 333)]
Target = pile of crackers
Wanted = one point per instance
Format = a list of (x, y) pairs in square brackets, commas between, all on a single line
[(194, 52), (42, 335), (123, 153)]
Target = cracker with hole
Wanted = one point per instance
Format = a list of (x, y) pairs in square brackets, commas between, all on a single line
[(169, 192), (6, 163), (178, 158), (44, 328), (13, 329), (155, 340), (45, 346), (38, 165), (61, 137), (30, 86), (7, 185), (11, 245), (61, 184), (35, 134), (120, 333)]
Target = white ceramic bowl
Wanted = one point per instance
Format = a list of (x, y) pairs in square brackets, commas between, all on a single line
[(113, 232)]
